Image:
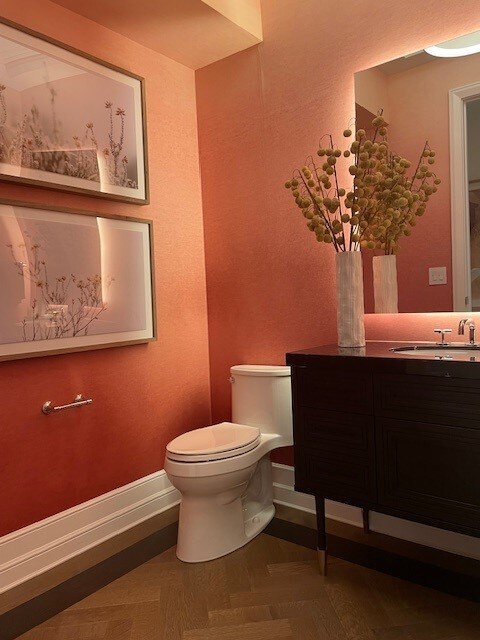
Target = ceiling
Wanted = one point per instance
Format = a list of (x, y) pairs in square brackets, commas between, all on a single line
[(192, 32)]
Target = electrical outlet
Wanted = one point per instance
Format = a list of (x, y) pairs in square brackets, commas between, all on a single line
[(437, 275)]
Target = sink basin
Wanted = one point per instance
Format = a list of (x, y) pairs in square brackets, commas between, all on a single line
[(448, 352)]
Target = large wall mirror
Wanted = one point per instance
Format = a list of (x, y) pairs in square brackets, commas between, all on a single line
[(433, 95)]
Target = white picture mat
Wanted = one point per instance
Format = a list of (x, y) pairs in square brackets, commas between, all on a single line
[(85, 64), (78, 342)]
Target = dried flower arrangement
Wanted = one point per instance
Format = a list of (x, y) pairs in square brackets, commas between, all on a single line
[(384, 201), (58, 313), (28, 145)]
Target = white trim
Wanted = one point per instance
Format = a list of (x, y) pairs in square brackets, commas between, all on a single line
[(461, 278), (283, 493), (442, 52), (43, 545), (37, 548)]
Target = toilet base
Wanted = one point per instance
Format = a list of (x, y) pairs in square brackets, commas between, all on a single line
[(257, 524), (211, 526), (252, 529)]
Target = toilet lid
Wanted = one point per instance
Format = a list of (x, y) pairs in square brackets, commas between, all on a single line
[(218, 441)]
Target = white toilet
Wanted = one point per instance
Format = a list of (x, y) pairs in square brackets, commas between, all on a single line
[(224, 471)]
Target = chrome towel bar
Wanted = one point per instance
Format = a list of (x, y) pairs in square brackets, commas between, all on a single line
[(79, 401)]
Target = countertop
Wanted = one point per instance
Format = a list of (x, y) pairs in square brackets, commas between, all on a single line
[(379, 357)]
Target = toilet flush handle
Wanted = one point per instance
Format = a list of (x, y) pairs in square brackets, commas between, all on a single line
[(231, 379)]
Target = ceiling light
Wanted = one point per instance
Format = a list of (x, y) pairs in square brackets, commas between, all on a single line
[(462, 46)]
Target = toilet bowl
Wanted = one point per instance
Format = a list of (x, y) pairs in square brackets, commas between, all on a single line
[(223, 471)]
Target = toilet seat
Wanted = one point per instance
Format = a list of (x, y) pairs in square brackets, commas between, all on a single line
[(217, 442)]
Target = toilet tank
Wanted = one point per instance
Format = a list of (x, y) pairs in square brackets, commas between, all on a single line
[(262, 397)]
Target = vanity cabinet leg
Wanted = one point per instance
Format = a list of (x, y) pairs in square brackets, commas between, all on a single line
[(321, 535), (366, 520)]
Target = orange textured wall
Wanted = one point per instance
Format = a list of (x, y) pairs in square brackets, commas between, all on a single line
[(260, 113), (143, 395)]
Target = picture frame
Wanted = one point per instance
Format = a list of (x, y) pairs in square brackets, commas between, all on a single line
[(73, 280), (70, 121)]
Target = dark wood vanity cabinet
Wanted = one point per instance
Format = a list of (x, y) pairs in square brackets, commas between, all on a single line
[(392, 434), (430, 472), (336, 445)]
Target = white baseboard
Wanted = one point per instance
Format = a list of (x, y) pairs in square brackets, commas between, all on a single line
[(283, 493), (43, 545), (37, 548)]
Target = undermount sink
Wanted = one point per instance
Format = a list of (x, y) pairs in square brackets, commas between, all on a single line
[(448, 351)]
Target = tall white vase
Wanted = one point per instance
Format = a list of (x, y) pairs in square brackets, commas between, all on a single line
[(350, 304), (385, 286)]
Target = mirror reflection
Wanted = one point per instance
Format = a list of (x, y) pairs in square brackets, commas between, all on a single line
[(433, 95), (473, 171)]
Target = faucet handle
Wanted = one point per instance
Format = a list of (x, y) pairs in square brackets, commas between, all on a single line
[(442, 332)]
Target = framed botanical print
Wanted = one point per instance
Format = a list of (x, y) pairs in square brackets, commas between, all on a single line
[(73, 280), (69, 121)]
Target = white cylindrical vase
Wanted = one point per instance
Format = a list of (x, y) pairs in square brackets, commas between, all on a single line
[(350, 304), (385, 286)]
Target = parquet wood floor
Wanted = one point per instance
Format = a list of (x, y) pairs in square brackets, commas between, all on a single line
[(269, 590)]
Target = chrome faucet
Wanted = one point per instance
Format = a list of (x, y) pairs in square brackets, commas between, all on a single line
[(471, 329), (442, 332)]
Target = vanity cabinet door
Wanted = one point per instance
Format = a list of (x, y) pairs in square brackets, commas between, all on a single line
[(430, 471), (336, 431), (439, 400), (335, 454), (331, 389), (342, 477)]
